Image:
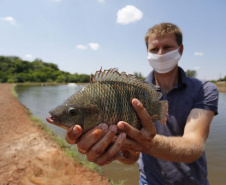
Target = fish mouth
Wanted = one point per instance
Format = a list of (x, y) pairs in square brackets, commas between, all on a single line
[(52, 119)]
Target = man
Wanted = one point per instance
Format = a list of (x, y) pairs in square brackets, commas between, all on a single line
[(171, 154)]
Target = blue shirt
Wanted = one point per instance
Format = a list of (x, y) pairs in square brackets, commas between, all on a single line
[(188, 94)]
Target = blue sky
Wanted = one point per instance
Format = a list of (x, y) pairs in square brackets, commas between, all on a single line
[(84, 35)]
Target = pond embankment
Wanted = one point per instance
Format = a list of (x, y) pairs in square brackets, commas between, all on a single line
[(28, 156), (221, 86)]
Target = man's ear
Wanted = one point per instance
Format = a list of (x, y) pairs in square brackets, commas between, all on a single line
[(181, 49)]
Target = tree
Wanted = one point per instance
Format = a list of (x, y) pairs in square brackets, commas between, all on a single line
[(139, 75), (13, 69), (191, 73)]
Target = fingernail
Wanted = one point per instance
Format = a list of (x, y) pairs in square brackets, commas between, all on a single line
[(135, 102), (104, 126), (123, 135), (76, 130), (113, 128), (121, 125)]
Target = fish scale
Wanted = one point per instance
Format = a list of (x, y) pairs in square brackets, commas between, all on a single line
[(107, 99)]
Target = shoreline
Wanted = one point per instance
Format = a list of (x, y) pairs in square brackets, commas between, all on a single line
[(221, 89), (47, 83), (29, 156), (221, 86)]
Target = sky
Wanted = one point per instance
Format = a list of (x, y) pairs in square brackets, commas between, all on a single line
[(81, 36)]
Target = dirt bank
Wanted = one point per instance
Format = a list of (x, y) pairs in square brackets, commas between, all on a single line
[(27, 154), (222, 89)]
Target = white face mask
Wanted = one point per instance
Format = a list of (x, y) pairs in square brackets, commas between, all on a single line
[(164, 63)]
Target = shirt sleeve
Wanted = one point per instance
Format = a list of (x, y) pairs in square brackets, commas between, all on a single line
[(207, 97)]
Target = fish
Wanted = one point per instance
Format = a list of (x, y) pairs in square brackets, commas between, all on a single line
[(107, 99)]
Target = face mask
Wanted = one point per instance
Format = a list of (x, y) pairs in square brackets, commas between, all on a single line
[(164, 63)]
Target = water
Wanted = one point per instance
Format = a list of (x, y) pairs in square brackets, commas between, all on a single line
[(40, 99)]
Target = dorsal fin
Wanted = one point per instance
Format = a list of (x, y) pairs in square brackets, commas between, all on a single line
[(113, 75)]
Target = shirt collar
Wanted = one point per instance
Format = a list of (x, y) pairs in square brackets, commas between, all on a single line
[(182, 78)]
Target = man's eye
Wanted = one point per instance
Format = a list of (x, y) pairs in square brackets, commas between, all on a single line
[(154, 50), (167, 47)]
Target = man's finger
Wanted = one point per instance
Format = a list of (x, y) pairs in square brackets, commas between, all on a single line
[(91, 137), (101, 145), (112, 153), (73, 134), (135, 134), (146, 120)]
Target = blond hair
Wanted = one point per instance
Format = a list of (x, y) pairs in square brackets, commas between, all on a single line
[(163, 29)]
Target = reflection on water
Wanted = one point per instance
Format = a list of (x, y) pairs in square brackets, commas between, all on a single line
[(40, 99)]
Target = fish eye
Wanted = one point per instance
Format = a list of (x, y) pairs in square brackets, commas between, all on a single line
[(72, 111)]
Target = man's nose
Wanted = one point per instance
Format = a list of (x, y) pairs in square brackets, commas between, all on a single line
[(161, 51)]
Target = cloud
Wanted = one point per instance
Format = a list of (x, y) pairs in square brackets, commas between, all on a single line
[(82, 47), (101, 1), (198, 54), (91, 45), (28, 56), (94, 46), (57, 0), (8, 19), (128, 14)]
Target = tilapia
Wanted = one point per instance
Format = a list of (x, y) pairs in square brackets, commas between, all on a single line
[(107, 99)]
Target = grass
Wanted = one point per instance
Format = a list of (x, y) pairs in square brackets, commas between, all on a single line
[(13, 92), (118, 183), (70, 150)]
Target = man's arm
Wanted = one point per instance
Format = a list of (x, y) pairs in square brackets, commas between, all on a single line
[(186, 148)]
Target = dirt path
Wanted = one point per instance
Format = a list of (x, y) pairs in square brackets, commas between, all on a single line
[(28, 156)]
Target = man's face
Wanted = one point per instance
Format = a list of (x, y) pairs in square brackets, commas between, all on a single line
[(162, 45)]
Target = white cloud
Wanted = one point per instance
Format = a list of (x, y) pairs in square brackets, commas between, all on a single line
[(28, 56), (8, 19), (80, 46), (101, 1), (57, 0), (128, 14), (198, 54), (94, 46)]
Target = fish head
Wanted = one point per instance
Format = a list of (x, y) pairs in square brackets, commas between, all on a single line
[(76, 110), (66, 115)]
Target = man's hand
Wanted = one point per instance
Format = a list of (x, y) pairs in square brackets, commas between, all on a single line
[(97, 144), (139, 140)]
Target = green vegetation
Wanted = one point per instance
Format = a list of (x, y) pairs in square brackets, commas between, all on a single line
[(119, 183), (13, 92), (15, 70), (191, 73), (222, 79), (139, 75)]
